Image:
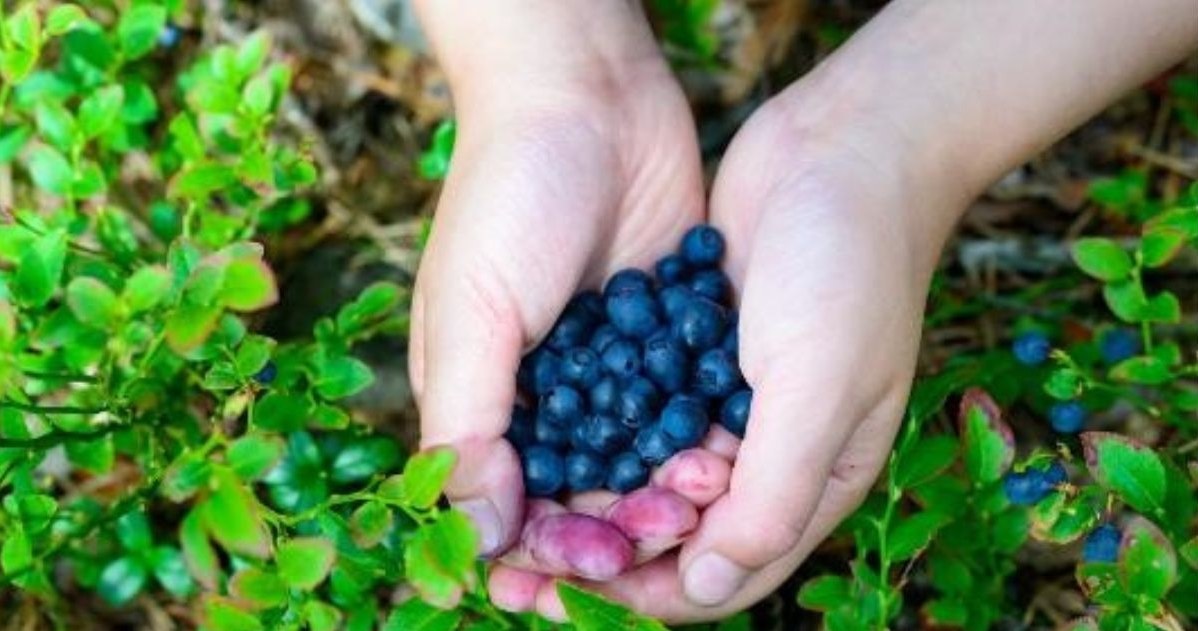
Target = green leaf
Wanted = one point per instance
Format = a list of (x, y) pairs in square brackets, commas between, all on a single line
[(249, 285), (321, 616), (417, 615), (1189, 552), (1163, 307), (222, 615), (370, 523), (140, 106), (591, 612), (253, 354), (15, 64), (55, 124), (23, 28), (146, 288), (101, 110), (252, 456), (912, 534), (12, 140), (121, 580), (925, 460), (258, 96), (133, 531), (439, 558), (424, 477), (170, 569), (188, 327), (197, 550), (364, 458), (50, 170), (988, 446), (185, 476), (945, 612), (1181, 219), (139, 28), (1126, 299), (32, 510), (40, 269), (281, 412), (258, 588), (824, 593), (92, 302), (233, 516), (63, 18), (1146, 370), (305, 562), (16, 553), (1102, 258), (342, 376), (201, 180), (186, 138), (1132, 471), (1147, 563), (1064, 384), (89, 180), (1159, 246)]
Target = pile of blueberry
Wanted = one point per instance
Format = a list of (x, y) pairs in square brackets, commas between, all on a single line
[(627, 378)]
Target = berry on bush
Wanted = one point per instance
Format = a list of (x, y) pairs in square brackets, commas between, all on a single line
[(1117, 345), (267, 374), (1102, 544), (1031, 348), (1067, 417), (1028, 487)]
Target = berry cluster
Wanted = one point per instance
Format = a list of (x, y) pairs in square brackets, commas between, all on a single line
[(627, 378)]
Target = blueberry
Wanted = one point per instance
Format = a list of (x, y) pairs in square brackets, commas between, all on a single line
[(1022, 488), (653, 445), (712, 284), (604, 335), (572, 329), (589, 303), (563, 403), (550, 431), (1031, 348), (634, 313), (731, 341), (702, 245), (578, 436), (716, 374), (671, 269), (585, 471), (700, 325), (522, 432), (539, 372), (169, 36), (1067, 417), (1102, 544), (581, 366), (1117, 345), (626, 473), (622, 358), (605, 434), (1054, 476), (665, 362), (734, 414), (267, 374), (628, 279), (603, 395), (636, 403), (544, 471), (673, 300), (684, 421)]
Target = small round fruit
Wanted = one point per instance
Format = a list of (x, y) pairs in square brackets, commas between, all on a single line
[(544, 471), (701, 324), (653, 446), (711, 284), (1031, 348), (585, 471), (684, 422), (716, 374), (665, 362), (626, 472), (606, 435), (1102, 544), (563, 403), (581, 367), (629, 278), (634, 313), (671, 269), (622, 358), (734, 414), (702, 245), (1067, 417)]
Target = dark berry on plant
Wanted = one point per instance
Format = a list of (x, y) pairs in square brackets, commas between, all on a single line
[(522, 431), (684, 422), (267, 374), (712, 284), (626, 472), (702, 245), (1102, 544), (622, 359), (631, 278), (606, 435), (1031, 348), (701, 324), (634, 313), (1117, 345), (603, 395), (1067, 417), (1054, 476), (603, 336), (716, 374), (1023, 488), (550, 431), (544, 471), (734, 414), (673, 300), (585, 471), (652, 444), (169, 36), (581, 367), (563, 403), (636, 402), (671, 269), (666, 362)]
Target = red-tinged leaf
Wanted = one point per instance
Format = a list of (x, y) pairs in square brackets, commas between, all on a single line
[(249, 285), (1147, 562), (988, 445), (233, 516), (197, 550), (1132, 471)]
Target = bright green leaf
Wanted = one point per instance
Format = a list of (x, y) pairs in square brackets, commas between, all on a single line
[(92, 302), (222, 615), (417, 615), (364, 458), (12, 140), (252, 456), (139, 28), (1147, 563), (100, 110), (197, 550), (121, 580), (201, 180), (253, 354), (439, 558), (133, 530), (305, 562), (50, 170), (824, 593), (988, 446), (912, 533), (1148, 370), (40, 269), (170, 568), (55, 124), (281, 412), (233, 516), (424, 476), (1134, 472), (1102, 258), (63, 18), (370, 523), (342, 376), (591, 612), (146, 288), (189, 327), (930, 456), (258, 588), (1126, 300), (249, 285)]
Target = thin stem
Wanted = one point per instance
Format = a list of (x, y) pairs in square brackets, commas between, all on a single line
[(50, 409), (58, 376), (57, 437)]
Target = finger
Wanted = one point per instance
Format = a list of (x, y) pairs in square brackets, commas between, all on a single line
[(514, 590), (722, 443), (698, 475), (654, 519), (593, 503), (578, 545), (416, 343)]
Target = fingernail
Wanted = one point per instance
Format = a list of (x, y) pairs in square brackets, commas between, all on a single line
[(713, 579), (486, 520)]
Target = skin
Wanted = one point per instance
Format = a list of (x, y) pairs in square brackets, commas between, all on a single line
[(576, 157)]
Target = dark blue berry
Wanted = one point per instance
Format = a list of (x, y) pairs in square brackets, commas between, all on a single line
[(701, 324), (522, 431), (1031, 348), (622, 358), (550, 431), (563, 403), (712, 284), (716, 374), (671, 269), (1054, 476), (1102, 544), (628, 279), (702, 245), (267, 374), (1067, 417), (636, 403), (169, 36), (589, 303), (1022, 488), (578, 436), (634, 313), (603, 336), (731, 341), (1117, 345), (673, 300), (653, 445), (581, 367), (603, 395), (585, 471), (572, 329), (684, 421), (626, 472), (539, 372), (544, 471), (665, 362), (734, 414), (606, 435)]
